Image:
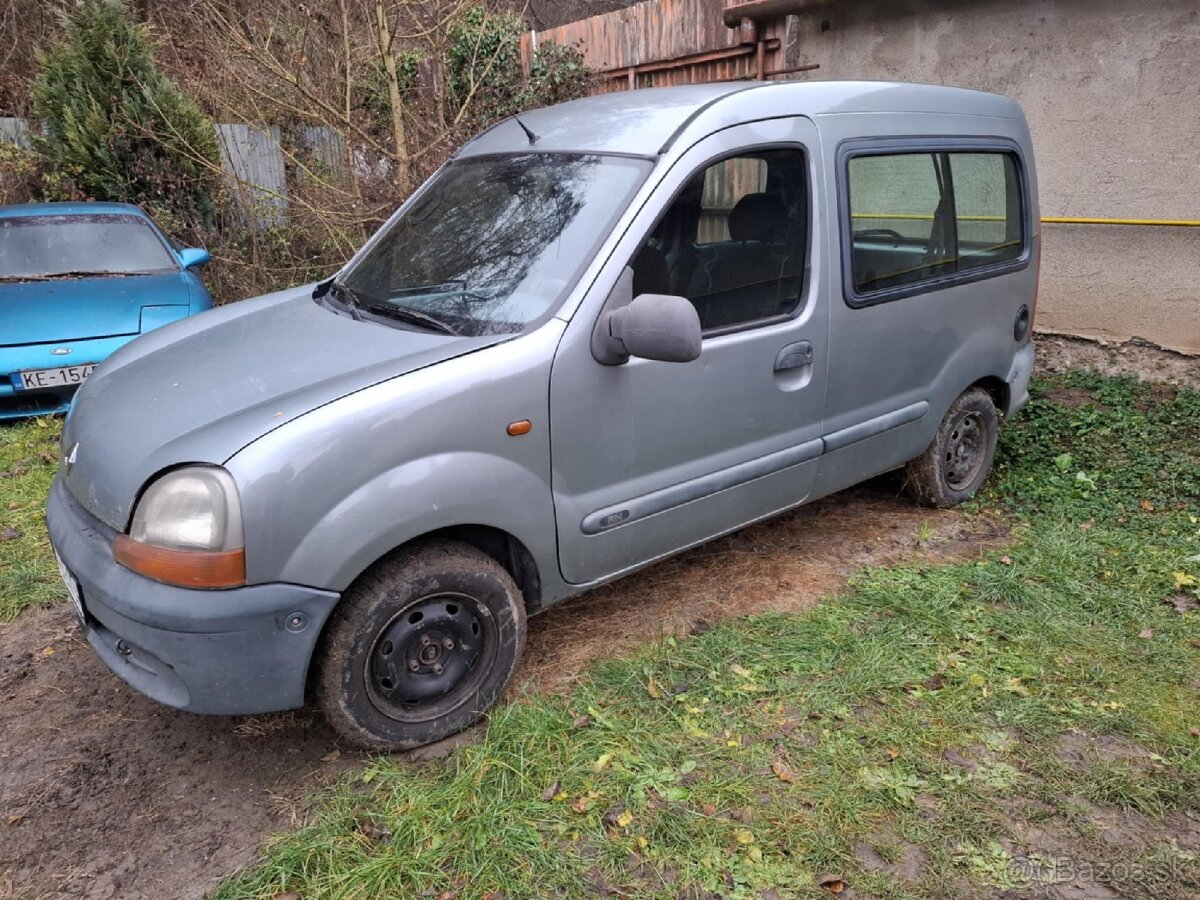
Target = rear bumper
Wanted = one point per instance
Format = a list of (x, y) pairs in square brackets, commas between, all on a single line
[(1018, 379), (231, 652), (15, 404)]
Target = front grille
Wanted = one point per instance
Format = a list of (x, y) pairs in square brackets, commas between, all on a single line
[(35, 402)]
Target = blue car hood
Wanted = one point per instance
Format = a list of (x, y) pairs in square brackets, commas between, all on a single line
[(68, 309), (203, 388)]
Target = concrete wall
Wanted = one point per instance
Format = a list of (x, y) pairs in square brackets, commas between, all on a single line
[(1112, 92)]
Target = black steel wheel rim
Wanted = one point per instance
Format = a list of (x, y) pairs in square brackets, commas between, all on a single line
[(966, 450), (430, 657)]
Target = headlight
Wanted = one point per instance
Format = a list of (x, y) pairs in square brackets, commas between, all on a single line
[(195, 508), (187, 530)]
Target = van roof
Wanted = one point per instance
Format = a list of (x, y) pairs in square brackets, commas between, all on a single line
[(646, 122)]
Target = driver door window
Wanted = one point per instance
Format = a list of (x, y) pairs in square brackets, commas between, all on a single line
[(733, 242)]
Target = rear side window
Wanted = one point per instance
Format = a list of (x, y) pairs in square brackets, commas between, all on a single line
[(920, 216)]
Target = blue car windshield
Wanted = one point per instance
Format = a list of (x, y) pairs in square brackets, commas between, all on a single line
[(34, 247), (493, 243)]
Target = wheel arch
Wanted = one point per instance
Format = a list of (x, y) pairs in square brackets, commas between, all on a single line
[(505, 548), (997, 388)]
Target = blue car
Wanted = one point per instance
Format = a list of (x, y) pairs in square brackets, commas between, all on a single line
[(77, 281)]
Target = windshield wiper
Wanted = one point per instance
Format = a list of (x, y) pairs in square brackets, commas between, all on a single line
[(349, 300), (352, 302), (415, 316)]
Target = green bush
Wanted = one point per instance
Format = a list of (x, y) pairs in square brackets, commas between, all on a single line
[(557, 74), (483, 61), (114, 125)]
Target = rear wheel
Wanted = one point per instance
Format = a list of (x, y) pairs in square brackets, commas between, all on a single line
[(958, 461), (420, 647)]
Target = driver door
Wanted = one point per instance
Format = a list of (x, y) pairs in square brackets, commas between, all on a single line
[(652, 457)]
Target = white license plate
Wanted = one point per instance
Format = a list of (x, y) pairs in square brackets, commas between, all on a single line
[(35, 379), (72, 588)]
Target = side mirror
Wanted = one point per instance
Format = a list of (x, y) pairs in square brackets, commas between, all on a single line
[(192, 257), (652, 326)]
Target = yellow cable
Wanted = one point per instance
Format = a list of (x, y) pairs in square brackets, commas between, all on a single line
[(1052, 220), (1086, 220)]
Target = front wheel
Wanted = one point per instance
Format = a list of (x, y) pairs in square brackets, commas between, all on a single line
[(420, 647), (958, 461)]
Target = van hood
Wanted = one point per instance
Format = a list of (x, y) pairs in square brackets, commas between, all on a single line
[(71, 309), (203, 388)]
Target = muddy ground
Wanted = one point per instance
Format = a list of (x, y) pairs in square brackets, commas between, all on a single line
[(104, 793)]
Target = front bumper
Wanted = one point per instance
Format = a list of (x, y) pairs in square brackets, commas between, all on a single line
[(230, 652), (15, 404)]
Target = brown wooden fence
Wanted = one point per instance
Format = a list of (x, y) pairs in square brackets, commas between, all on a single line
[(665, 42)]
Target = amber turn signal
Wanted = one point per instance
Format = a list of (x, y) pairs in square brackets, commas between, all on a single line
[(186, 568), (516, 429)]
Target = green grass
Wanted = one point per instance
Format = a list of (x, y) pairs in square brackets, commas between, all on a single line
[(756, 755), (28, 460)]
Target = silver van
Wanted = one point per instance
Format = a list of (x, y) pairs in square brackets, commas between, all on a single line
[(602, 333)]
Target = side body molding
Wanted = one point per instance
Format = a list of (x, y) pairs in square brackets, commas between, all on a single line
[(723, 479)]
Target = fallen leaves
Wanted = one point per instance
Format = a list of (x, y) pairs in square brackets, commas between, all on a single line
[(551, 792), (1014, 685), (586, 802), (1182, 603), (782, 772), (618, 818), (10, 534), (835, 884)]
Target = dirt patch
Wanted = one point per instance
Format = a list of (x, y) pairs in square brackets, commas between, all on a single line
[(904, 860), (786, 564), (104, 793), (1077, 848), (1080, 749), (1071, 398), (1096, 852), (1136, 358)]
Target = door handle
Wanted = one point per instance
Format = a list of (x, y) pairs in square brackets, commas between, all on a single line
[(794, 356)]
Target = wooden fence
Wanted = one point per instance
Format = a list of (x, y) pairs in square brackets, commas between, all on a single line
[(665, 42)]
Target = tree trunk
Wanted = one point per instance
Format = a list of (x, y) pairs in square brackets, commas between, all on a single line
[(347, 104), (396, 102)]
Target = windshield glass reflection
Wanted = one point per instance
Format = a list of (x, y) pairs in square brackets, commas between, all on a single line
[(495, 242)]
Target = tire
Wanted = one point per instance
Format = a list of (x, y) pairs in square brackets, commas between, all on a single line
[(420, 647), (959, 460)]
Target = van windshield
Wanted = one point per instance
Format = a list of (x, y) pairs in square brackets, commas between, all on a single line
[(494, 243)]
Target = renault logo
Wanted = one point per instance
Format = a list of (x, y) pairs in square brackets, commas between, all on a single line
[(60, 351), (69, 459)]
